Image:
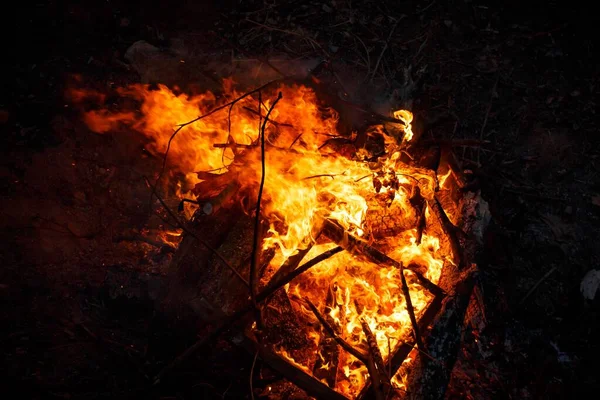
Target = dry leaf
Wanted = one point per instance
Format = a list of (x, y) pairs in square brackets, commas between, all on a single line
[(596, 200)]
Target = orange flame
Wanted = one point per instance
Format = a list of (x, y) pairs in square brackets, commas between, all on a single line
[(306, 180)]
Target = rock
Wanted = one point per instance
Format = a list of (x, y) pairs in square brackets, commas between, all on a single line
[(152, 64), (590, 283)]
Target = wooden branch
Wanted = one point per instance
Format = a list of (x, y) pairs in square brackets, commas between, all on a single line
[(449, 230), (368, 359), (449, 158), (294, 260), (410, 309), (270, 120), (456, 142), (405, 348), (352, 244), (296, 375), (362, 357), (256, 239), (418, 203), (229, 321), (192, 234), (375, 378), (358, 246), (380, 378), (328, 352), (429, 378), (426, 283), (289, 265)]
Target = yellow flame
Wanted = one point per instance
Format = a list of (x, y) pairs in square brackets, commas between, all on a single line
[(406, 117), (306, 180)]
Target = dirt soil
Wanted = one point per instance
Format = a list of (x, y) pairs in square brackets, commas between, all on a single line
[(520, 79)]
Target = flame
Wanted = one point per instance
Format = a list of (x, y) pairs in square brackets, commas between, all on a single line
[(406, 117), (306, 181), (443, 178)]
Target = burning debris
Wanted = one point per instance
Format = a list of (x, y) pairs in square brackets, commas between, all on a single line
[(270, 179)]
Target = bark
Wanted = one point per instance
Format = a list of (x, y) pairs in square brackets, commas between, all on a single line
[(428, 378), (199, 283)]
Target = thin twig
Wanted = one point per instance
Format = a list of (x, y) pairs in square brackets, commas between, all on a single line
[(487, 114), (252, 374), (271, 121), (214, 110), (375, 366), (538, 283), (254, 257), (425, 8), (387, 42), (364, 177), (234, 146), (303, 268), (410, 309), (343, 343), (373, 347), (305, 37), (295, 140), (264, 60), (368, 59), (192, 234), (324, 175)]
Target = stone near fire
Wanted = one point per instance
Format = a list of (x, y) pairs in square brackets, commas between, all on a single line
[(590, 284)]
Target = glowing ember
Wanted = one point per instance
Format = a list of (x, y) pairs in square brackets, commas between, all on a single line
[(306, 181)]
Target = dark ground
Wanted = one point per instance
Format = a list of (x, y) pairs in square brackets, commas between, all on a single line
[(524, 77)]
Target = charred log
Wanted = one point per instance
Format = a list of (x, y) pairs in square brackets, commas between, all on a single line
[(429, 377), (449, 229), (196, 279), (226, 323)]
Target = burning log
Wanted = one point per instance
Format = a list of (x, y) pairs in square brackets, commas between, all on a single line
[(352, 244), (449, 158), (367, 359), (226, 323), (379, 378), (418, 202), (449, 229), (297, 375), (210, 202), (294, 260), (411, 311), (199, 281), (359, 354), (302, 179), (429, 378)]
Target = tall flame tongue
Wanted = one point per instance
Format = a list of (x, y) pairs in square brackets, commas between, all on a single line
[(306, 180)]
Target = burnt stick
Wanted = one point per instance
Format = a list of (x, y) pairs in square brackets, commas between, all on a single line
[(229, 321)]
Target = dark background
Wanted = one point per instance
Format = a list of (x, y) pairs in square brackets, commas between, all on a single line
[(526, 72)]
